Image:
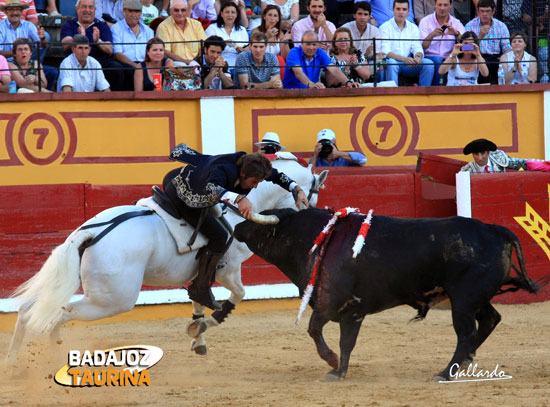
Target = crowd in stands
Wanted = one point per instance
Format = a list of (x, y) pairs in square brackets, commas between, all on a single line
[(126, 45)]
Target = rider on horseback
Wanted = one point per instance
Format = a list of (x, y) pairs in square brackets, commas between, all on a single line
[(206, 181)]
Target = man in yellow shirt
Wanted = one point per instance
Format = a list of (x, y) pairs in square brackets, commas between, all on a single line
[(181, 34)]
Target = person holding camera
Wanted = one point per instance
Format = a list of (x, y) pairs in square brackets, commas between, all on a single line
[(465, 62), (326, 154), (270, 143), (439, 31)]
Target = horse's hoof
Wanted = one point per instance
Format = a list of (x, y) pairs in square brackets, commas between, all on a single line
[(332, 376), (201, 350), (196, 327)]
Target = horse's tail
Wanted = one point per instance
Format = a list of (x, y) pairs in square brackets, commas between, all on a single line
[(49, 291)]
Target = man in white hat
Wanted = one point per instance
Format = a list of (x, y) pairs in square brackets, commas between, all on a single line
[(270, 143), (326, 154), (15, 27)]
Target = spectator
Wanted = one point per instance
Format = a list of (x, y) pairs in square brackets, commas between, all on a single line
[(305, 63), (229, 27), (405, 58), (488, 159), (382, 11), (362, 32), (465, 62), (493, 35), (213, 67), (202, 10), (316, 22), (440, 31), (15, 27), (5, 75), (109, 11), (155, 63), (290, 12), (519, 66), (350, 60), (130, 37), (270, 143), (81, 72), (99, 36), (256, 68), (277, 41), (29, 13), (24, 70), (326, 154), (422, 8), (149, 12), (181, 34)]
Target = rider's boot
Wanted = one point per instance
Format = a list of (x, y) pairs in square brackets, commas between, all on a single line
[(199, 290)]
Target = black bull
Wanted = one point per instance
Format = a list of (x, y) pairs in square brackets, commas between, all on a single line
[(417, 262)]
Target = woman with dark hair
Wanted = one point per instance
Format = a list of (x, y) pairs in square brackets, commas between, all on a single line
[(290, 11), (277, 42), (346, 57), (155, 63), (24, 70), (465, 62), (519, 66), (229, 27)]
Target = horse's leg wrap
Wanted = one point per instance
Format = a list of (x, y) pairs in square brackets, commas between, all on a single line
[(220, 316), (197, 316)]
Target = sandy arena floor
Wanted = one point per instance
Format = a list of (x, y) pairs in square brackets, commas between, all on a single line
[(260, 358)]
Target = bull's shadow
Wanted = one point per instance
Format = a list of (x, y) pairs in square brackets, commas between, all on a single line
[(418, 262)]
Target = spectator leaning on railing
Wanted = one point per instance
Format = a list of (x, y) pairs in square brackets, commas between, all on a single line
[(214, 70), (81, 72), (493, 35), (519, 66), (403, 48), (181, 34), (130, 38), (317, 22), (256, 68), (100, 37), (439, 32), (350, 60), (305, 63)]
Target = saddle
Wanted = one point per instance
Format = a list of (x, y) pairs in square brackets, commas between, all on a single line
[(164, 202)]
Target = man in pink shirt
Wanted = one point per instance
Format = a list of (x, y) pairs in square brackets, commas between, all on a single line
[(316, 22), (439, 31)]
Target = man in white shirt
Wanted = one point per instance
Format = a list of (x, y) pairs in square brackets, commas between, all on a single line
[(362, 32), (80, 72), (405, 57)]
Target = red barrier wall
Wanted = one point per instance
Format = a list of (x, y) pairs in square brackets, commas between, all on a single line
[(501, 199)]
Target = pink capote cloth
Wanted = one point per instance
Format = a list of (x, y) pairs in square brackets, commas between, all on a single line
[(538, 166)]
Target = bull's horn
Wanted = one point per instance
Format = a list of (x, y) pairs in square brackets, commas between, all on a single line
[(264, 219)]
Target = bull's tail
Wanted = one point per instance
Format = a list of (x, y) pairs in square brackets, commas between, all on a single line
[(49, 290), (522, 282)]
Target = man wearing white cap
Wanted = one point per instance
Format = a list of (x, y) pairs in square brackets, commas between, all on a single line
[(326, 154), (270, 143)]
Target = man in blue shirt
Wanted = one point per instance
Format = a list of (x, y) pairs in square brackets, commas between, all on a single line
[(14, 27), (304, 65), (257, 69), (130, 37), (100, 37), (326, 154)]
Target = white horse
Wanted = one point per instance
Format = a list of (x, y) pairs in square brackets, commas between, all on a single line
[(136, 252)]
